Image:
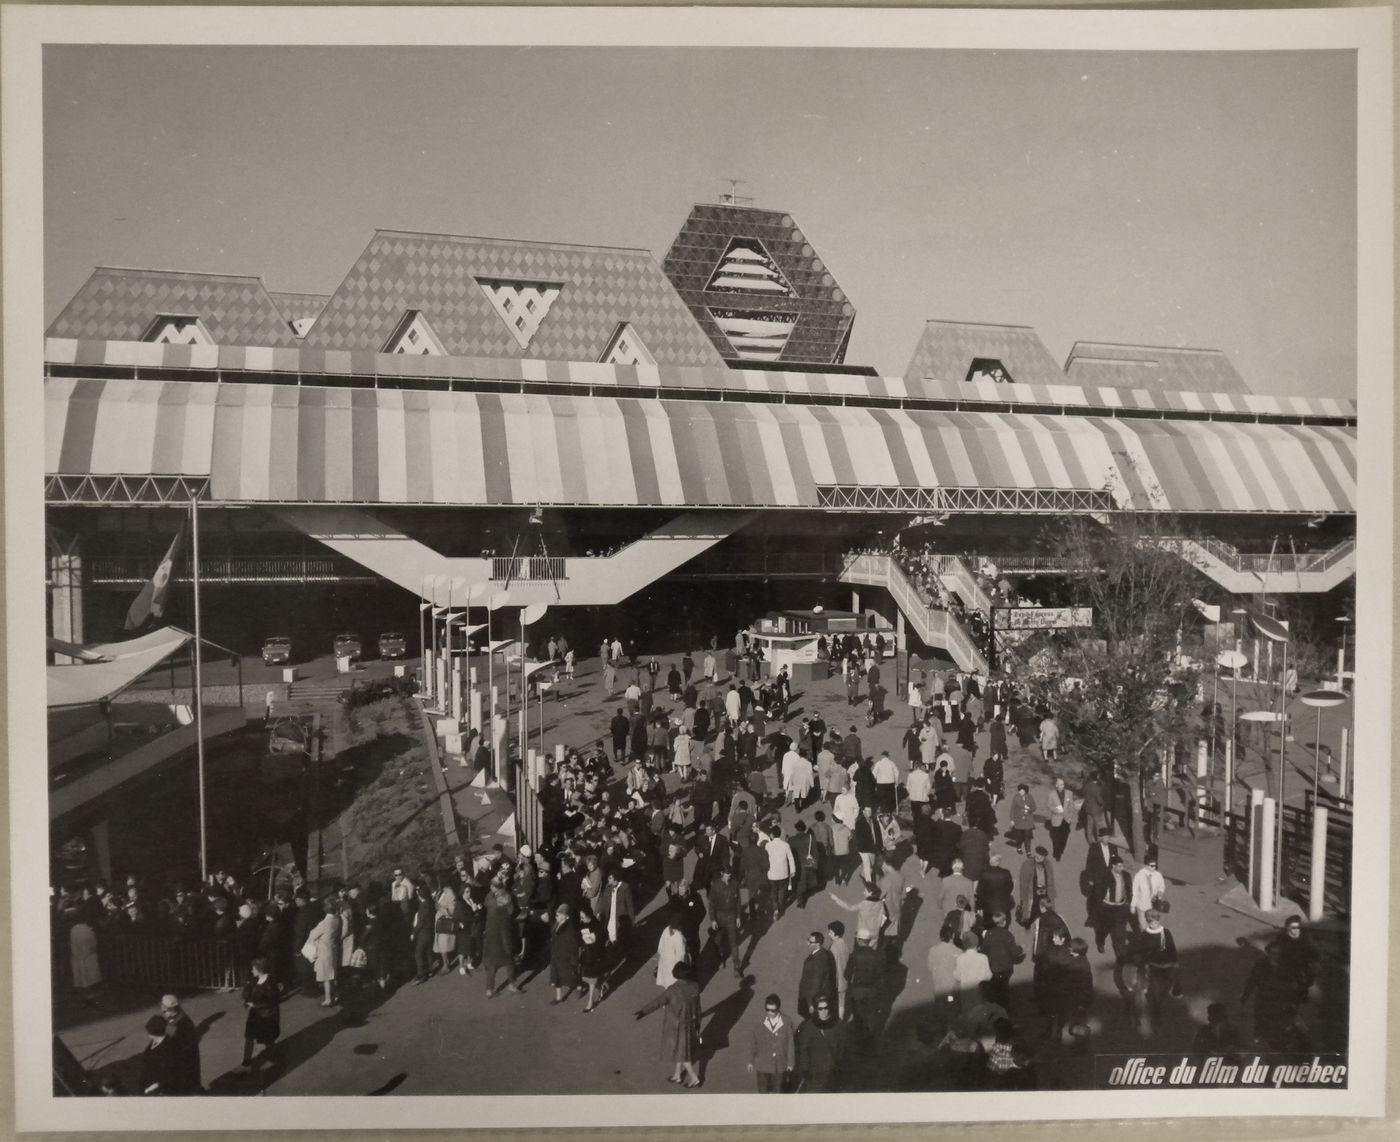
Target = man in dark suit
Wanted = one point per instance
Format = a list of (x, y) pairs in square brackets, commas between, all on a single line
[(972, 847), (1096, 879), (818, 973), (621, 729), (946, 835), (714, 854), (994, 890)]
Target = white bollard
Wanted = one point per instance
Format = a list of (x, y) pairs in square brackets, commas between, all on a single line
[(1317, 877), (1256, 800), (530, 769), (474, 707), (1266, 820), (1202, 757), (456, 710), (1343, 790), (1229, 775), (473, 676)]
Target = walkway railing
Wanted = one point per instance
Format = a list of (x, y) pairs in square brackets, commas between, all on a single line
[(936, 627), (528, 569), (957, 576)]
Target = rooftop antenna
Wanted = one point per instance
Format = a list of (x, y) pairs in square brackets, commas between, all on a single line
[(732, 197)]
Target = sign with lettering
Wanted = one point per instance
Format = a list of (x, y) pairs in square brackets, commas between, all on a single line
[(1043, 618)]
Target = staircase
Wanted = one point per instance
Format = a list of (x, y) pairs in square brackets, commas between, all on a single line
[(958, 578), (936, 627), (1249, 574)]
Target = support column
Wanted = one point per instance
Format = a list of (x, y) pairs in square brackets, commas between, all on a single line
[(855, 600), (66, 574), (1317, 877), (1256, 804)]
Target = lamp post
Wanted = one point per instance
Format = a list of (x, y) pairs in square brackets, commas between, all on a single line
[(1232, 660), (1277, 632), (1319, 699)]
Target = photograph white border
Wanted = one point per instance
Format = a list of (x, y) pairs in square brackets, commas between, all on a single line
[(27, 29)]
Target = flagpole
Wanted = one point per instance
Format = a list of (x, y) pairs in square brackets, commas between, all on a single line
[(198, 687)]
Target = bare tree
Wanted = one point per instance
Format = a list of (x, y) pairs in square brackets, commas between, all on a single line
[(1125, 694)]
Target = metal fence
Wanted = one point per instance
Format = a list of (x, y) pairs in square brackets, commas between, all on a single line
[(1296, 883), (169, 962)]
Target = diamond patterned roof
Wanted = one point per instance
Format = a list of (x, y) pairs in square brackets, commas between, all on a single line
[(295, 306), (120, 304), (1152, 367), (437, 275), (823, 313), (947, 349)]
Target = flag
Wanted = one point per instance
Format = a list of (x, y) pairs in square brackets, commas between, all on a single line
[(1210, 613), (151, 600)]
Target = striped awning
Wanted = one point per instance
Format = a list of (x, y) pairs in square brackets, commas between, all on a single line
[(323, 366), (275, 443)]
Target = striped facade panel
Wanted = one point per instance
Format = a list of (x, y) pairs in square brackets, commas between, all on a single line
[(323, 445)]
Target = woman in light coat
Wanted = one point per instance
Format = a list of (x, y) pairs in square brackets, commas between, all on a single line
[(670, 951), (445, 926), (325, 938)]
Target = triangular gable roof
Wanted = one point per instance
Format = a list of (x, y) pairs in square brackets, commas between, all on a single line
[(1097, 363), (439, 275), (947, 349), (715, 238), (299, 306), (118, 304)]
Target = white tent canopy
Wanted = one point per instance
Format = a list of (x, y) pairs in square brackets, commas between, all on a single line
[(85, 683)]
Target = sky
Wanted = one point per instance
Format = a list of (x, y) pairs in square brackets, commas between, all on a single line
[(1201, 199)]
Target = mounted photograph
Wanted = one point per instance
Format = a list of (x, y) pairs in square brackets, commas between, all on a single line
[(649, 561)]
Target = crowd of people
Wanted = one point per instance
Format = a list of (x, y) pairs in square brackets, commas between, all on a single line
[(703, 798)]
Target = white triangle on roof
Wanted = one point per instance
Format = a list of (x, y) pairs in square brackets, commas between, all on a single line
[(626, 348), (414, 337), (747, 268), (521, 305), (756, 336)]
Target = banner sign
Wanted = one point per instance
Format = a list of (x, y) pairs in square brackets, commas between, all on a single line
[(1043, 618)]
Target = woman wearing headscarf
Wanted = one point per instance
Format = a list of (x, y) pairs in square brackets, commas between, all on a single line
[(680, 1027), (499, 939)]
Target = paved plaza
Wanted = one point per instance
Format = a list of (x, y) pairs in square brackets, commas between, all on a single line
[(447, 1037)]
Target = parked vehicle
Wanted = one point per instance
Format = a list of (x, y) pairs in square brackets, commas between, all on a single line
[(392, 644), (347, 646), (277, 651)]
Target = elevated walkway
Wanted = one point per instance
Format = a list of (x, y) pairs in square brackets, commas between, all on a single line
[(585, 581), (1246, 574), (936, 627)]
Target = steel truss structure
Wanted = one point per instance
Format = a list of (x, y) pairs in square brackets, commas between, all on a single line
[(982, 501), (134, 490)]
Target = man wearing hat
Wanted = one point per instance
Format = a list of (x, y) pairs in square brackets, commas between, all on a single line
[(184, 1076)]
